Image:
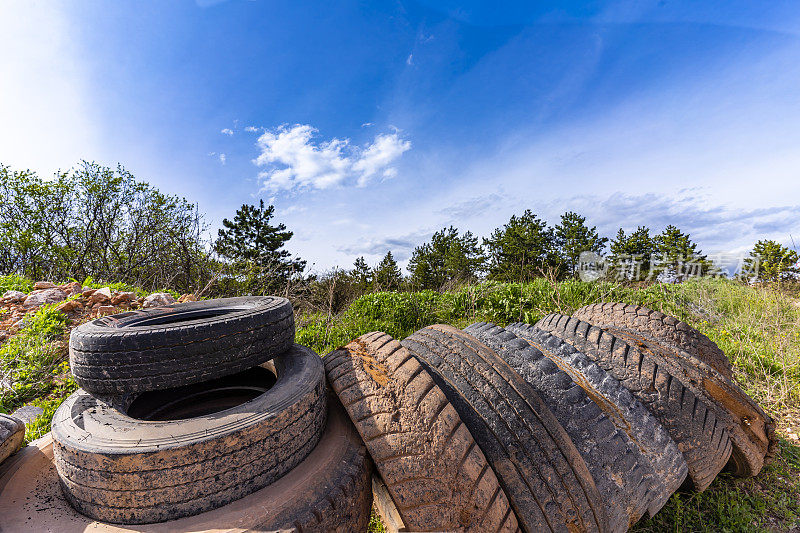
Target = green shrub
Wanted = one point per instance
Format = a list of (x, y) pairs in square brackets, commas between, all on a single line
[(14, 282)]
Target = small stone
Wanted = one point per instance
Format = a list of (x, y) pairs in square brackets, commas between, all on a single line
[(40, 285), (46, 296), (28, 413), (123, 297), (101, 295), (14, 296), (106, 310), (72, 288), (187, 298), (158, 299), (70, 306)]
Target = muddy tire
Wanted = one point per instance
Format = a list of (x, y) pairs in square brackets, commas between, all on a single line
[(179, 344), (182, 457), (12, 433), (752, 431), (437, 476), (328, 491), (659, 326), (630, 481), (689, 419), (543, 474)]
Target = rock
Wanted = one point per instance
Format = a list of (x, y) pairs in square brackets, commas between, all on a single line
[(187, 298), (123, 297), (106, 310), (101, 296), (14, 296), (72, 288), (70, 306), (87, 291), (28, 413), (40, 285), (158, 299), (46, 296)]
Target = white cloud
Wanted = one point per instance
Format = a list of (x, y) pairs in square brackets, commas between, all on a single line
[(295, 161), (410, 59), (226, 131), (223, 158), (252, 129)]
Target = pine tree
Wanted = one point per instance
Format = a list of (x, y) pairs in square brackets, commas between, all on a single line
[(361, 274), (387, 275), (771, 261), (522, 249), (255, 247), (447, 258), (631, 254), (678, 256), (573, 236)]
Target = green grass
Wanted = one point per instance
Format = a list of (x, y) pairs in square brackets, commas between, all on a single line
[(14, 282), (33, 363)]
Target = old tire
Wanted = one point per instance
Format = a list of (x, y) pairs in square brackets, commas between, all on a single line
[(132, 471), (437, 476), (752, 431), (12, 433), (328, 491), (658, 326), (179, 344), (630, 481), (543, 474), (688, 418)]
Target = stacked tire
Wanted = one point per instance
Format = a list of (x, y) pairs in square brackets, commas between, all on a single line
[(584, 423), (186, 411)]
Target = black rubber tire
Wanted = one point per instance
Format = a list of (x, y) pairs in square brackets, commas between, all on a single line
[(179, 344), (626, 477), (12, 433), (626, 412), (751, 430), (543, 474), (691, 421), (123, 470), (437, 476), (658, 326), (329, 490)]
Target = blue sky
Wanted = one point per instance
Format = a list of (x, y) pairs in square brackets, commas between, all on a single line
[(371, 125)]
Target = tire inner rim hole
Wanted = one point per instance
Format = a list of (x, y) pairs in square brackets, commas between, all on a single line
[(204, 398), (181, 315)]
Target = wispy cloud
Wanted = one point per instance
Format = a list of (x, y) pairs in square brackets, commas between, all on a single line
[(252, 129), (226, 131), (401, 246), (294, 160), (223, 158)]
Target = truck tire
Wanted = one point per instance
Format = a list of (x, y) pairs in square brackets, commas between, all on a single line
[(436, 475), (543, 474), (179, 344), (752, 431), (12, 433), (190, 449), (658, 326), (689, 419), (631, 481), (329, 491)]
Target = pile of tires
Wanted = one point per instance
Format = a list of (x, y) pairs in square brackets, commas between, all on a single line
[(191, 417), (581, 423)]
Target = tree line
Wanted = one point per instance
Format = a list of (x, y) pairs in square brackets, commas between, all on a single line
[(100, 222)]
